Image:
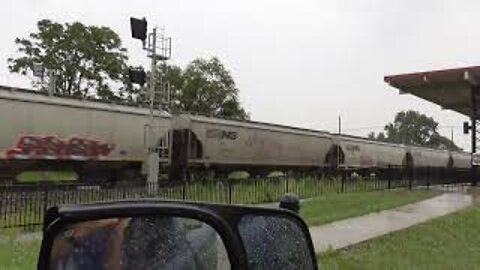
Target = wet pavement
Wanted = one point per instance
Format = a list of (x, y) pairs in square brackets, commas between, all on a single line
[(351, 231)]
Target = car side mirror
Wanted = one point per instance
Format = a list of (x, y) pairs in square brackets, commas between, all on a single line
[(153, 234)]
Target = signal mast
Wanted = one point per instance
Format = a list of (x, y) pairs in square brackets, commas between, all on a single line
[(158, 48)]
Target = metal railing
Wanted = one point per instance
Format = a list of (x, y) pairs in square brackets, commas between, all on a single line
[(24, 205)]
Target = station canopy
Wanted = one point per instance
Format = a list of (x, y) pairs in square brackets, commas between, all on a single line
[(453, 89)]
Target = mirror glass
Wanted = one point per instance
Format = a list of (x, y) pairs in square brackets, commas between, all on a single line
[(139, 243), (274, 242)]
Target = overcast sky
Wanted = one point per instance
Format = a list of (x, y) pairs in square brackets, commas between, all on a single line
[(299, 63)]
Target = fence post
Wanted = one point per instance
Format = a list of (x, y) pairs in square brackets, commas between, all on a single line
[(410, 178), (124, 192), (286, 183), (429, 178), (442, 176), (230, 192), (45, 199), (451, 175), (184, 191), (427, 175), (344, 175), (448, 175), (389, 176)]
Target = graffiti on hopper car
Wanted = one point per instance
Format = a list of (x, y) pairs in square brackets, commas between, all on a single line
[(52, 147)]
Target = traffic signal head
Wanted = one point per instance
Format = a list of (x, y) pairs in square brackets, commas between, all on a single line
[(139, 28), (136, 76), (466, 127)]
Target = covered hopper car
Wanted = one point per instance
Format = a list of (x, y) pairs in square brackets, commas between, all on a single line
[(226, 145), (99, 141), (106, 142)]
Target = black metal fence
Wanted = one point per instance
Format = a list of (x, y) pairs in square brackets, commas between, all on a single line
[(24, 205)]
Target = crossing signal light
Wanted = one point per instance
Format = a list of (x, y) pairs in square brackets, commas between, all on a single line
[(136, 76), (139, 28), (466, 127)]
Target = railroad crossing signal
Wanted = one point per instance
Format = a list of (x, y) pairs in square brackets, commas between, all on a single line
[(159, 49), (137, 76), (466, 127), (139, 28)]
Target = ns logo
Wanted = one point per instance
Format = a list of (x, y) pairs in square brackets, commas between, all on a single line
[(221, 134)]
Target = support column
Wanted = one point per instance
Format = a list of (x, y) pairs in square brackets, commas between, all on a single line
[(475, 122)]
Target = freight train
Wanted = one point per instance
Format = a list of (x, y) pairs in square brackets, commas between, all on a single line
[(107, 142)]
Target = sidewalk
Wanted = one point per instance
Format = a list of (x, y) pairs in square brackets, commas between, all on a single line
[(351, 231)]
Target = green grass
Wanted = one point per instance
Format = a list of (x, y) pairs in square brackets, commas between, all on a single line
[(450, 242), (17, 253), (46, 176), (340, 206), (28, 209)]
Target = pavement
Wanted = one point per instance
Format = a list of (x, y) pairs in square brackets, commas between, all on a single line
[(355, 230)]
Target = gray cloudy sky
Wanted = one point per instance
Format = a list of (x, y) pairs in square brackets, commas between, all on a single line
[(298, 63)]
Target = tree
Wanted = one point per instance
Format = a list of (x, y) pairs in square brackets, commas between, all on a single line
[(444, 143), (85, 60), (379, 137), (208, 88), (204, 87), (414, 128), (411, 127)]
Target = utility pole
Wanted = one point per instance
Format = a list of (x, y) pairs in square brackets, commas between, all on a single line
[(339, 133), (339, 124)]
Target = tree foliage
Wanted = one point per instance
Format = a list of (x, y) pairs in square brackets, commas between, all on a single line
[(86, 60), (89, 61), (206, 87), (203, 87), (414, 128)]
